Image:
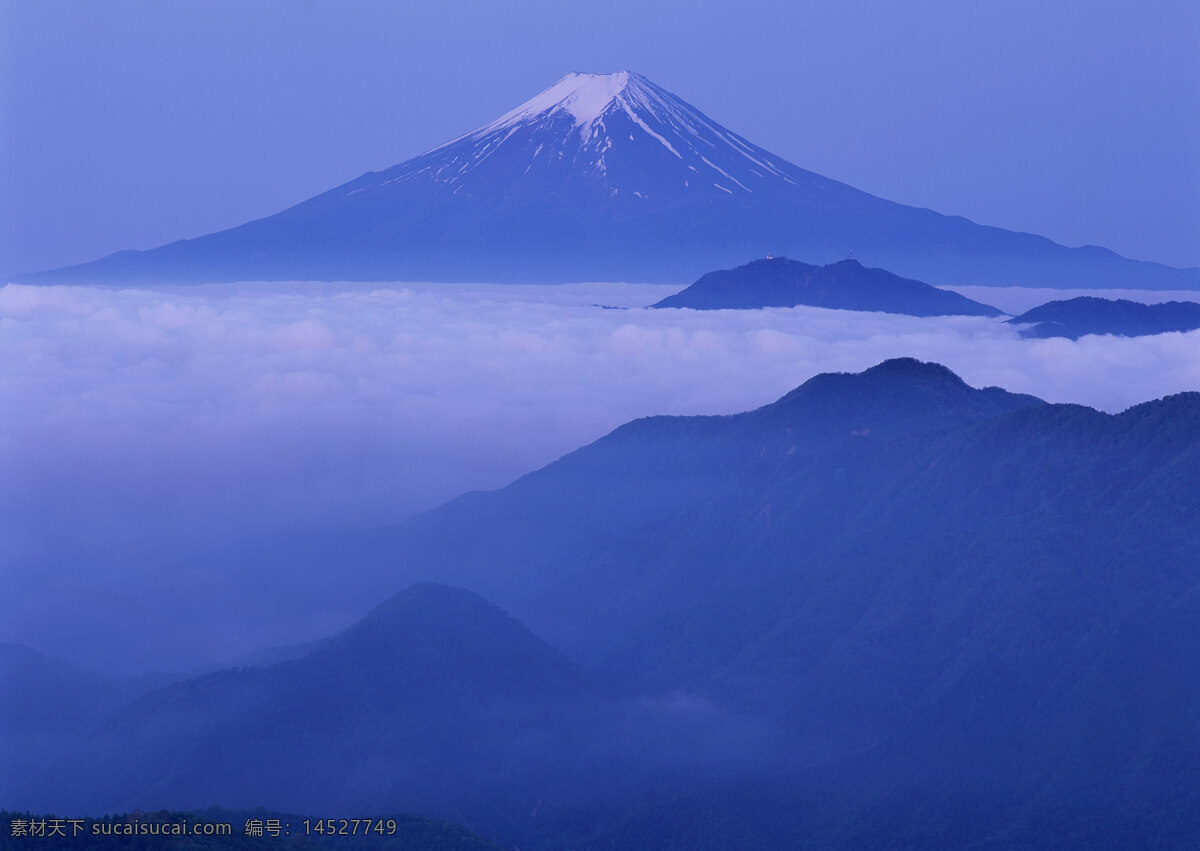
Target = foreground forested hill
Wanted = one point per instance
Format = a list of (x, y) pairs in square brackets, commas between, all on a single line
[(888, 610)]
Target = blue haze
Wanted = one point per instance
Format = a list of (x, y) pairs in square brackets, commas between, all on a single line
[(143, 426), (187, 475)]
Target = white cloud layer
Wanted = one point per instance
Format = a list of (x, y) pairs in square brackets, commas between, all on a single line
[(135, 424)]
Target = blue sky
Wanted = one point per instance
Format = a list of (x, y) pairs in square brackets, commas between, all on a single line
[(131, 123)]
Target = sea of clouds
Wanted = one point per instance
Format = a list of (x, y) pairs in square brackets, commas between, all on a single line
[(136, 424)]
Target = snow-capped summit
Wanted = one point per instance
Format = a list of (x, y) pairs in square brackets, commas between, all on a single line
[(583, 96), (611, 134), (600, 105), (608, 177)]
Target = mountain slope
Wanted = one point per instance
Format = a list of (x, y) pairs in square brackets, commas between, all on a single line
[(607, 177), (976, 614), (427, 692), (436, 701), (1075, 317), (887, 610), (46, 702), (846, 285), (639, 524)]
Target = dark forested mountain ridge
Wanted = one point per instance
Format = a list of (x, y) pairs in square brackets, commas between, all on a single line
[(845, 285), (887, 610), (422, 695), (1075, 317), (906, 573), (677, 490)]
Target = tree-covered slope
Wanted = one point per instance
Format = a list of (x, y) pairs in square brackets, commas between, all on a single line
[(888, 610), (972, 599), (422, 696)]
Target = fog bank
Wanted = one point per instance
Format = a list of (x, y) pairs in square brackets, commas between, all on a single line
[(139, 424)]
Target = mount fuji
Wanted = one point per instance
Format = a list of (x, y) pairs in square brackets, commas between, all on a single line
[(608, 177)]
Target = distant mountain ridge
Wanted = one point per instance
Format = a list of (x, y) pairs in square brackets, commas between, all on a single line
[(845, 285), (1076, 317), (607, 177)]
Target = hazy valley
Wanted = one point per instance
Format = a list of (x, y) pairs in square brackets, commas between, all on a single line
[(601, 480)]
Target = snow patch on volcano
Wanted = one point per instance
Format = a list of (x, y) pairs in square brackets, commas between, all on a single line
[(583, 96)]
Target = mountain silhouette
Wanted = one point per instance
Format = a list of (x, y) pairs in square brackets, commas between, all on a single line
[(845, 285), (420, 696), (1075, 317), (607, 177), (887, 610)]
